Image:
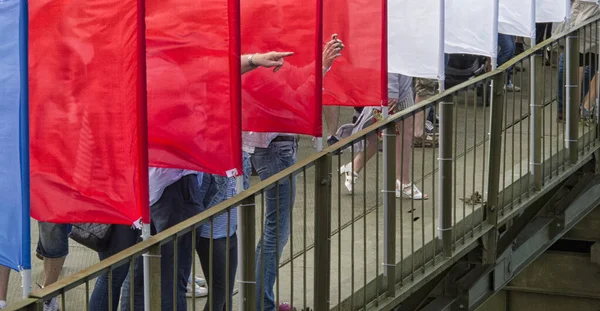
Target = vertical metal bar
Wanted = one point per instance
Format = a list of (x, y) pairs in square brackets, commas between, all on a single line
[(277, 225), (496, 116), (572, 91), (305, 231), (376, 225), (445, 176), (365, 221), (389, 206), (339, 229), (541, 78), (175, 270), (110, 291), (227, 261), (87, 295), (211, 255), (464, 178), (353, 196), (536, 104), (193, 274), (452, 202), (291, 180), (322, 247), (154, 267), (132, 281), (474, 158)]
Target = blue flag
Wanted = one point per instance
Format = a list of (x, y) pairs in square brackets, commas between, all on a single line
[(14, 137)]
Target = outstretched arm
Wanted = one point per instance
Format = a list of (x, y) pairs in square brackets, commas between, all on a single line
[(272, 59)]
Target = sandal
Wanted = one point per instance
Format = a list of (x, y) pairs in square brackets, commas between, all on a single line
[(351, 177), (428, 141), (409, 191)]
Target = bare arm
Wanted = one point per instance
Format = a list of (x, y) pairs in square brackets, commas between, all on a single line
[(250, 62)]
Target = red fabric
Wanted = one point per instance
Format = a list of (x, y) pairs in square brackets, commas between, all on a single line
[(359, 76), (84, 106), (194, 85), (289, 100)]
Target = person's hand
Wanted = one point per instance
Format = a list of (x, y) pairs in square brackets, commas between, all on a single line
[(332, 51), (392, 102), (271, 59)]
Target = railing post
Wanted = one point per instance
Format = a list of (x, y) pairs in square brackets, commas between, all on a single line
[(445, 177), (389, 207), (572, 91), (536, 105), (322, 233), (491, 208), (246, 214), (153, 256)]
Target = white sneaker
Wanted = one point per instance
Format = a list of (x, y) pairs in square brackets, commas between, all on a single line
[(198, 280), (512, 88), (351, 177), (51, 305), (2, 304), (200, 291)]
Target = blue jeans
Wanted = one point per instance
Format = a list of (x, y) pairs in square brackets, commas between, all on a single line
[(176, 204), (268, 162), (122, 237), (213, 190), (561, 82), (506, 51)]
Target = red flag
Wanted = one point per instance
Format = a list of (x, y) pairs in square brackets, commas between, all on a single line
[(193, 68), (87, 162), (359, 76), (289, 100)]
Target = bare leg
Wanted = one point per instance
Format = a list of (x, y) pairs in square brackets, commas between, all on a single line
[(419, 125), (4, 274), (592, 93), (404, 152), (332, 118), (359, 159), (52, 269)]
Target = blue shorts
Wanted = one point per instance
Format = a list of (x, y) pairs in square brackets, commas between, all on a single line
[(54, 240)]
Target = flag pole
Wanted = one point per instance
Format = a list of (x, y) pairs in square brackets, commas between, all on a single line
[(142, 105), (24, 147)]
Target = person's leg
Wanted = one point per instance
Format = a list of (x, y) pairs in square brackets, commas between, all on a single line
[(53, 247), (279, 203), (216, 275), (122, 237), (4, 274), (560, 99), (506, 51), (359, 159), (332, 119), (177, 204)]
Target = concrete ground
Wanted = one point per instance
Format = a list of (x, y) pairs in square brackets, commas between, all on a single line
[(357, 219)]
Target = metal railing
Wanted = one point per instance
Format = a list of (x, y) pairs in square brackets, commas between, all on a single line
[(366, 248)]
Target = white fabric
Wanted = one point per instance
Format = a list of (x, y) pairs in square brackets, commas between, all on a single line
[(550, 11), (160, 178), (517, 18), (472, 27), (414, 38)]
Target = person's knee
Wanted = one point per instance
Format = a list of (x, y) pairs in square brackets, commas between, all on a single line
[(53, 241)]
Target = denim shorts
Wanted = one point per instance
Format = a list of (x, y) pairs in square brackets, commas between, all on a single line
[(54, 240)]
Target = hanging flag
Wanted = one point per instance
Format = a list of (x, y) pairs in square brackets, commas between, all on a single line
[(85, 111), (194, 92), (356, 77), (289, 100), (14, 188), (415, 38), (472, 27), (552, 11), (517, 18)]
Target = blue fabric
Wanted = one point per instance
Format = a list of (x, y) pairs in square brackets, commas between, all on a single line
[(14, 208), (280, 201), (506, 51), (215, 189)]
